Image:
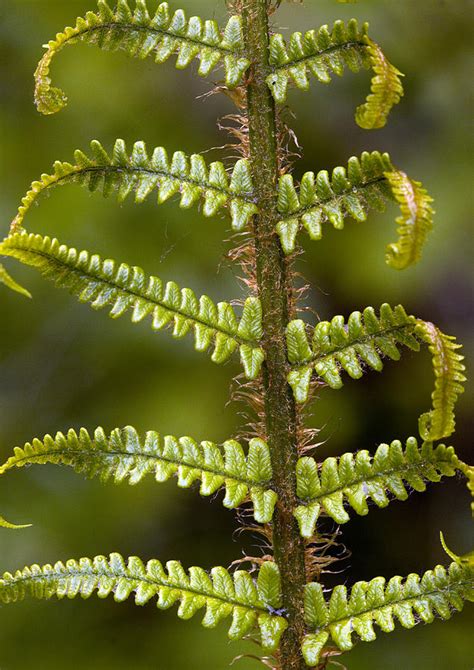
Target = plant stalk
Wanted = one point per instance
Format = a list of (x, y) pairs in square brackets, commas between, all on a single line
[(275, 290)]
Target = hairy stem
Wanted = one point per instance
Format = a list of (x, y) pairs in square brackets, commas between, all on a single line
[(274, 285)]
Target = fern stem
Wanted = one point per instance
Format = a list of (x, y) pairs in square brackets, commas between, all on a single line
[(274, 286)]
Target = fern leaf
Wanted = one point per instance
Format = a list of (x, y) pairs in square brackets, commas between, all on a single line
[(318, 52), (438, 592), (356, 478), (124, 455), (337, 347), (124, 173), (12, 526), (103, 283), (466, 558), (7, 280), (368, 183), (222, 595), (141, 34), (415, 222), (326, 52), (386, 90), (469, 472), (449, 377)]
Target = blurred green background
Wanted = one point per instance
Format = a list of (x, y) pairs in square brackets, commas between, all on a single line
[(62, 365)]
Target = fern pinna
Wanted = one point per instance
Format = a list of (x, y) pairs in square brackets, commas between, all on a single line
[(284, 358)]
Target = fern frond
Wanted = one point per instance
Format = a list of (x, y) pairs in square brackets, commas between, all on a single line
[(12, 526), (466, 558), (368, 183), (438, 592), (415, 222), (103, 283), (139, 35), (324, 52), (386, 89), (469, 472), (222, 594), (124, 455), (7, 280), (123, 173), (449, 377), (320, 52), (356, 478), (336, 346)]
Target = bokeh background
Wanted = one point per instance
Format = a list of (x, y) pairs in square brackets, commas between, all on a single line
[(62, 365)]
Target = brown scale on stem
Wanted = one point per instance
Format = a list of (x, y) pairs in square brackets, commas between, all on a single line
[(261, 135), (275, 289)]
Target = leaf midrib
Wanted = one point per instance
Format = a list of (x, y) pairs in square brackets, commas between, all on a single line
[(206, 186), (145, 580), (321, 202), (54, 259), (355, 44), (366, 338), (458, 586), (386, 473), (165, 32), (110, 454)]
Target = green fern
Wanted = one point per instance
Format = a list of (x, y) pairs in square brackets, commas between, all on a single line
[(223, 595), (415, 222), (321, 198), (324, 52), (7, 280), (356, 478), (318, 52), (261, 197), (449, 377), (137, 173), (368, 183), (439, 592), (140, 34), (11, 526), (337, 347), (126, 456), (386, 89), (466, 559), (469, 472), (103, 284)]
